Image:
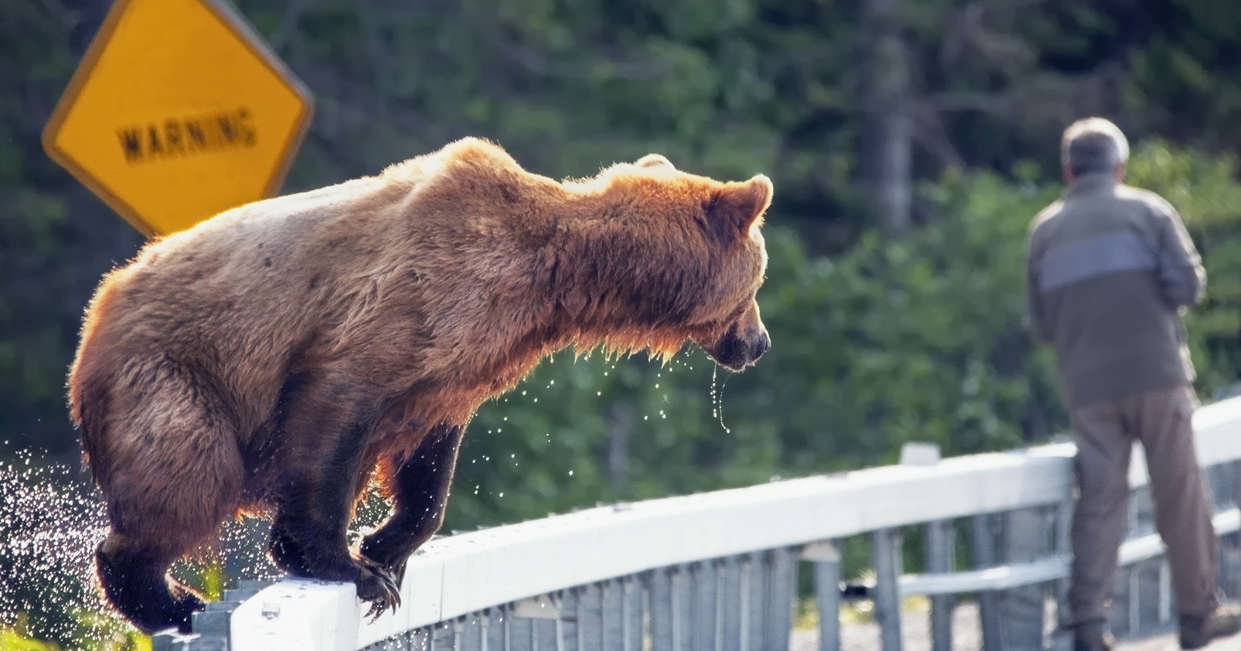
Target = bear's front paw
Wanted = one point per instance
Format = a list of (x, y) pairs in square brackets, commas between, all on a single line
[(397, 570), (376, 585), (381, 552)]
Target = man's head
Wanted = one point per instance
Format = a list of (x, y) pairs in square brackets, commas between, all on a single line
[(1093, 145)]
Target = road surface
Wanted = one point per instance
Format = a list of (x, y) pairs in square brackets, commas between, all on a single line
[(967, 637)]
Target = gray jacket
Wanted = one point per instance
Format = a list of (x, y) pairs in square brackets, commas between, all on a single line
[(1110, 269)]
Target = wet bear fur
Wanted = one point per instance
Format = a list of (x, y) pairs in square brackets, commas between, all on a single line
[(272, 357)]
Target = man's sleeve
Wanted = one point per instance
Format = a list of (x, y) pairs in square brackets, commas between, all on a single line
[(1034, 307), (1181, 276)]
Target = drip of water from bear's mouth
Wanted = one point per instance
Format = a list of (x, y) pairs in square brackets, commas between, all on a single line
[(717, 400)]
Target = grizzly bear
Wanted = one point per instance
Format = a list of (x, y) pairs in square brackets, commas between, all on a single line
[(268, 359)]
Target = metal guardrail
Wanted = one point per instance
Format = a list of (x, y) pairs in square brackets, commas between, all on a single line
[(719, 570)]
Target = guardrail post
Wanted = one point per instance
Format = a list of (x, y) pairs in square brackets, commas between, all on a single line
[(591, 618), (1143, 577), (682, 604), (1230, 547), (887, 558), (664, 633), (439, 637), (940, 544), (1025, 540), (635, 611), (703, 607), (547, 636), (497, 623), (519, 634), (757, 573), (780, 593), (1063, 547), (1165, 591), (614, 613), (826, 561), (730, 588), (983, 543)]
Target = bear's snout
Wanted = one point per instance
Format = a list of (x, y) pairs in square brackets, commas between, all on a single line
[(743, 342), (739, 348), (761, 346)]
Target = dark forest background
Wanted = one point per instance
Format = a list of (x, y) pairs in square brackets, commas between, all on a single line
[(910, 144)]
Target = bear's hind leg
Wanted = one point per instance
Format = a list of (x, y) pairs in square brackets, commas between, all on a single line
[(174, 472), (135, 581), (325, 439), (309, 541)]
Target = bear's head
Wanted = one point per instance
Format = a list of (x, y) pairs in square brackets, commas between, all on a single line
[(725, 320), (735, 212)]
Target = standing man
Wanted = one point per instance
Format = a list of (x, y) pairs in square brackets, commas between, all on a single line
[(1110, 269)]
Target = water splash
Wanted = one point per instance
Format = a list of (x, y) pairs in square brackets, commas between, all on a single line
[(49, 529), (51, 521)]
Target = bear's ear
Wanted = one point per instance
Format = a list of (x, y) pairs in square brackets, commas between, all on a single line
[(654, 160), (737, 207)]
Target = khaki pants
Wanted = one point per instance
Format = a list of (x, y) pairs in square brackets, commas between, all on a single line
[(1105, 433)]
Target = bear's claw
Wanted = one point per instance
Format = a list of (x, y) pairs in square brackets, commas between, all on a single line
[(376, 585)]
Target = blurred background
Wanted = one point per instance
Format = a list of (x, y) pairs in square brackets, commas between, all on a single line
[(910, 143)]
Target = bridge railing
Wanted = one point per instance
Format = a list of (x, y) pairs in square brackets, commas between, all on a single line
[(719, 570)]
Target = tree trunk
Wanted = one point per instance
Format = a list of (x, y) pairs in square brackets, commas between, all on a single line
[(886, 127)]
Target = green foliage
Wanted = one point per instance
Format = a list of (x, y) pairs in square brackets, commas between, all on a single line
[(1206, 192), (106, 632), (93, 631), (912, 339), (15, 640)]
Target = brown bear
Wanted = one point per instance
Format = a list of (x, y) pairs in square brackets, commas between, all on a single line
[(268, 359)]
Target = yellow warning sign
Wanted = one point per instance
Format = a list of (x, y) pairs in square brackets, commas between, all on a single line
[(177, 112)]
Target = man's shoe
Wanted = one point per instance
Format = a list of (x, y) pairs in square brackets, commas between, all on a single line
[(1197, 631), (1091, 636)]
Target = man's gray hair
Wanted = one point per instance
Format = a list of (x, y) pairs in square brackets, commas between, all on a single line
[(1093, 145)]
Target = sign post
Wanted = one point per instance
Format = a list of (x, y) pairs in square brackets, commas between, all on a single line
[(177, 112)]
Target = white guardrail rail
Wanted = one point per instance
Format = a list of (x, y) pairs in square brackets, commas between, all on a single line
[(717, 570)]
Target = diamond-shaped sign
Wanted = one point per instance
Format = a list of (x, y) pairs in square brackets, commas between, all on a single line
[(177, 112)]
